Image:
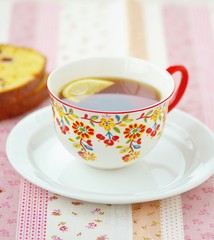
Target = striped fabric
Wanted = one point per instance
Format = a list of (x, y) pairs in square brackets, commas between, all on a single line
[(164, 34)]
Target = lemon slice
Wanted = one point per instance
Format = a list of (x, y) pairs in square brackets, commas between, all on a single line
[(81, 88)]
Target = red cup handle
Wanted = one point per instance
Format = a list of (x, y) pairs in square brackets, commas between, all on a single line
[(181, 87)]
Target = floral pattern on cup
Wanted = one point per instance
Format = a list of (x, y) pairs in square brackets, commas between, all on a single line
[(120, 131)]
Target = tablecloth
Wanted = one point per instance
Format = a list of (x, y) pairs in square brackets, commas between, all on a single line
[(163, 32)]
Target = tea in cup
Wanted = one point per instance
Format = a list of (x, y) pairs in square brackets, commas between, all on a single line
[(110, 112)]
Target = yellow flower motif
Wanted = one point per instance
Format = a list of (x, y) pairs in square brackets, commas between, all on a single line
[(87, 156), (107, 124), (131, 157), (156, 114), (77, 145), (60, 111), (124, 150), (135, 155)]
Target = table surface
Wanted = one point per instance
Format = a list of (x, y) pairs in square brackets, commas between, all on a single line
[(165, 33)]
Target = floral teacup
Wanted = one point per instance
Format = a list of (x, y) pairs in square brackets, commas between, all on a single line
[(111, 140)]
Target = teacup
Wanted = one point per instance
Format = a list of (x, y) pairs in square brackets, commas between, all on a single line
[(113, 139)]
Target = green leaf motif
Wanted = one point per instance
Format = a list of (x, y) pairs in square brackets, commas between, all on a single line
[(78, 137), (116, 129), (128, 141), (91, 122), (119, 146), (94, 117), (145, 120), (71, 111), (67, 120), (149, 113), (74, 116), (70, 139), (129, 120), (125, 117)]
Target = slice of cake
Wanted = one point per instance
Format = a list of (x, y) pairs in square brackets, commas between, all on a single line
[(33, 99), (22, 73)]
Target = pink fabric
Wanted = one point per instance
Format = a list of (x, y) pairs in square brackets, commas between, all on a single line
[(31, 23), (32, 212), (9, 188), (35, 24), (190, 41)]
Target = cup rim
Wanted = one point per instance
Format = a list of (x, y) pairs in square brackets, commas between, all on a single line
[(107, 112)]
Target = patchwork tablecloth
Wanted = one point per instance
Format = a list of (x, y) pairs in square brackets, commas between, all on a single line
[(163, 33)]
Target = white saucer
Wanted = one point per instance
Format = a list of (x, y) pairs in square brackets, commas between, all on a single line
[(183, 159)]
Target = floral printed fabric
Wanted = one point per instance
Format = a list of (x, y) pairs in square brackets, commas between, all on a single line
[(155, 220), (72, 219), (180, 29), (146, 220)]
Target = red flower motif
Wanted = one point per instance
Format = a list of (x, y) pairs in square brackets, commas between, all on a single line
[(92, 225), (64, 129), (82, 130), (56, 212), (53, 198), (115, 138), (126, 158), (58, 122), (89, 142), (87, 155), (76, 203), (63, 228), (81, 154), (153, 133), (100, 136), (111, 139), (134, 131), (148, 130), (130, 157), (109, 142)]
